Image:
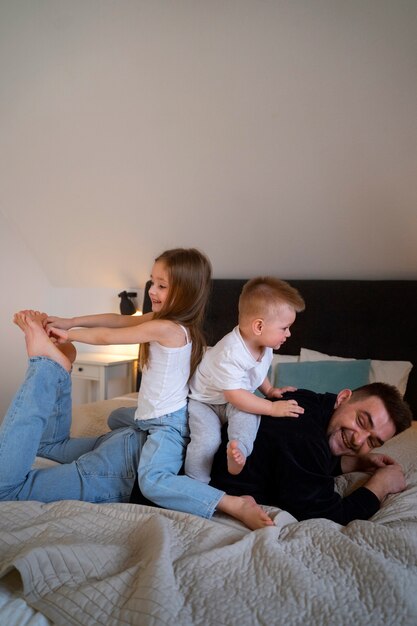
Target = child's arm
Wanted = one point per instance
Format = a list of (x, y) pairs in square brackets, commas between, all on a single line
[(154, 330), (248, 402), (110, 320)]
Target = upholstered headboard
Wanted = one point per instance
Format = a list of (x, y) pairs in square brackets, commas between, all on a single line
[(361, 319)]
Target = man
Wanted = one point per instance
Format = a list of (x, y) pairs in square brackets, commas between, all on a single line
[(294, 461)]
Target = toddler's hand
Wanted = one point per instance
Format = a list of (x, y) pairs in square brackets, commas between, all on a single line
[(278, 392), (286, 408)]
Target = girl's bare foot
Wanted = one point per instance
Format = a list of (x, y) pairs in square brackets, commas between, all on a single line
[(38, 342), (235, 458), (246, 510)]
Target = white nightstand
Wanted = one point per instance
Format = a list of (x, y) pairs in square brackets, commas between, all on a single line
[(98, 369)]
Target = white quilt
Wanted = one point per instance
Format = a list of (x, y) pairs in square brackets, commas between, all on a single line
[(125, 564)]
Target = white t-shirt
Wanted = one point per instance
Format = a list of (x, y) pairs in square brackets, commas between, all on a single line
[(228, 365), (164, 385)]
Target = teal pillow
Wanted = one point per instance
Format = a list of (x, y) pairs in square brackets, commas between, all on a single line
[(323, 376)]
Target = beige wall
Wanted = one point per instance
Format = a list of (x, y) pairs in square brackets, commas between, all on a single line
[(279, 136), (23, 284)]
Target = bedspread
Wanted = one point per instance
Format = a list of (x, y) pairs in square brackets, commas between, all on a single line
[(124, 564)]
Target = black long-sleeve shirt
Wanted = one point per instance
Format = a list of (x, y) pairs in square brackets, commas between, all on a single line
[(292, 467)]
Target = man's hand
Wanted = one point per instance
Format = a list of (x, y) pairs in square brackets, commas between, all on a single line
[(368, 462), (372, 461), (386, 479)]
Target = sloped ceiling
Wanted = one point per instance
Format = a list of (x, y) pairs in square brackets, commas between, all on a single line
[(277, 137)]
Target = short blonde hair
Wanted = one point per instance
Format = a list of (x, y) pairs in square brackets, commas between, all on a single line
[(265, 295)]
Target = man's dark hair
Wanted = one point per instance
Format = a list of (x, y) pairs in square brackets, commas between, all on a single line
[(397, 408)]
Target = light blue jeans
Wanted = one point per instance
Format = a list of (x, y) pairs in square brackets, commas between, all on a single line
[(161, 459), (99, 469)]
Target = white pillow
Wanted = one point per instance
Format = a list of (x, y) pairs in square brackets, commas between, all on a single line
[(392, 372), (284, 358), (276, 360)]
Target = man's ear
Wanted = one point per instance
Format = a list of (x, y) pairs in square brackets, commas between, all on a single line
[(343, 396), (257, 326)]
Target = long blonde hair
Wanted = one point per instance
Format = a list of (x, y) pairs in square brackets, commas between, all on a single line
[(189, 272)]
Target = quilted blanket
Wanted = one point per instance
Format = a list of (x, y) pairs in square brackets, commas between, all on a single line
[(125, 564)]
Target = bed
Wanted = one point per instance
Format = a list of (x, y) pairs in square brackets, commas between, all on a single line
[(122, 564)]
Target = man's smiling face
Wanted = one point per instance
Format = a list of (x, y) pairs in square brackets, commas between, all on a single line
[(358, 426)]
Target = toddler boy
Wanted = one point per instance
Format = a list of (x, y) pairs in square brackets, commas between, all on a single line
[(222, 388)]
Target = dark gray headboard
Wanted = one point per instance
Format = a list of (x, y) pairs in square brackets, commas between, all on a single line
[(351, 318)]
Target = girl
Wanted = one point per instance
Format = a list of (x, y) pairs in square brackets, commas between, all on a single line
[(172, 345)]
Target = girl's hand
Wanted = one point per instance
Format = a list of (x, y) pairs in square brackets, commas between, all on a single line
[(57, 334), (57, 322), (278, 392), (286, 408)]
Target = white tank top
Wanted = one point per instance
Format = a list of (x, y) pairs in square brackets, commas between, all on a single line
[(164, 385)]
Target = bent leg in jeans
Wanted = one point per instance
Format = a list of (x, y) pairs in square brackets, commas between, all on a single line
[(98, 469), (161, 460), (123, 417)]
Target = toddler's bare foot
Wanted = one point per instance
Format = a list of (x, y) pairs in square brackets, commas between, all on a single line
[(235, 458), (38, 342), (246, 510)]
